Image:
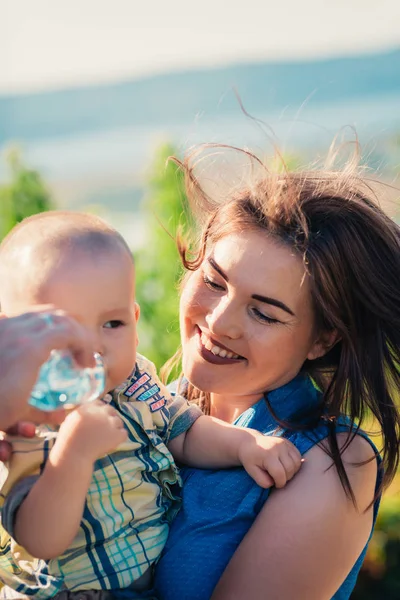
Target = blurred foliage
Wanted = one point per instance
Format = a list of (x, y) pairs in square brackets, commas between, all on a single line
[(379, 578), (158, 267), (24, 195)]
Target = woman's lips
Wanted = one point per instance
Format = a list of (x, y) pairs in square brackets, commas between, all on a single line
[(215, 359)]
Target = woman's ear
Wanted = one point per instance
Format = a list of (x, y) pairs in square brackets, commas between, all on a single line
[(325, 342)]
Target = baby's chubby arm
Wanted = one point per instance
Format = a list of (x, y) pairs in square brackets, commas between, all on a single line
[(211, 443), (48, 519)]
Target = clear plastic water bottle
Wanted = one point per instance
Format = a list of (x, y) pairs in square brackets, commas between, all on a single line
[(61, 382)]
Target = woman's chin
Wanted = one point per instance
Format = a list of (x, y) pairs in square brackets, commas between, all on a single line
[(202, 379)]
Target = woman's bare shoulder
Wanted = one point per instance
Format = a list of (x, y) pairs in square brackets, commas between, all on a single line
[(359, 461), (309, 534)]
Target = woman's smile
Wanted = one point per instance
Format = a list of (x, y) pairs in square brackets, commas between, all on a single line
[(215, 352)]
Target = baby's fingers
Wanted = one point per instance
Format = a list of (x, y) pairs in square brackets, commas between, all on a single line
[(5, 450), (22, 428), (276, 470), (121, 435), (117, 422), (297, 459), (291, 463), (260, 476)]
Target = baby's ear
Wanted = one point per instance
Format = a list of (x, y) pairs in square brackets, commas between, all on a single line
[(137, 315), (325, 342), (137, 312)]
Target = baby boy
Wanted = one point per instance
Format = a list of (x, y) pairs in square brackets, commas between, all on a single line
[(87, 506)]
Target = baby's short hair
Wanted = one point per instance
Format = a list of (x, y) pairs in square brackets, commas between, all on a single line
[(62, 229), (43, 240)]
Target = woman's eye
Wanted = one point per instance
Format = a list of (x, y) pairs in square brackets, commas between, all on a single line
[(261, 317), (113, 324), (212, 284)]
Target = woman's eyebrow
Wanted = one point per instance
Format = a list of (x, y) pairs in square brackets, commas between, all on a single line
[(217, 268), (264, 299), (274, 302)]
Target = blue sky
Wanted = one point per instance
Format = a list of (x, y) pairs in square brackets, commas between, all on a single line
[(48, 44)]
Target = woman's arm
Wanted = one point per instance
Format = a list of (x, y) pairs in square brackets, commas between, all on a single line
[(308, 536)]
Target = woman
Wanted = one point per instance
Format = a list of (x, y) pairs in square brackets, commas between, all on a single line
[(290, 320)]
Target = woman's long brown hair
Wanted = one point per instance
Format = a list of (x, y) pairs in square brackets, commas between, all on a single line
[(351, 253)]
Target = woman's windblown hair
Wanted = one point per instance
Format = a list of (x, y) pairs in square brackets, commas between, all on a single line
[(350, 250)]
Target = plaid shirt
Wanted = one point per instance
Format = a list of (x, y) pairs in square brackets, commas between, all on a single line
[(130, 501)]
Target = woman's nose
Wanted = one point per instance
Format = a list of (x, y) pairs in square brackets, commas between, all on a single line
[(224, 321)]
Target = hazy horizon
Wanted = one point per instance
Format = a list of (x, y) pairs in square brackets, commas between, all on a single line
[(48, 45)]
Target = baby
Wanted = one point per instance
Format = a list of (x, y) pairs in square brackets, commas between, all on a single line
[(86, 508)]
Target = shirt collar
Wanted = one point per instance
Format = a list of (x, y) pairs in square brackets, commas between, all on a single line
[(293, 401)]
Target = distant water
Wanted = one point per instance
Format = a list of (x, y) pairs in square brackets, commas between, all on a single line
[(129, 150)]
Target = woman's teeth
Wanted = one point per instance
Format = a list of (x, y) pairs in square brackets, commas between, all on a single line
[(216, 350)]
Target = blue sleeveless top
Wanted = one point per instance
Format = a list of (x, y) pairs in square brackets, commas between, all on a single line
[(220, 506)]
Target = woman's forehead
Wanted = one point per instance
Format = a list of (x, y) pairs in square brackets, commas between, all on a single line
[(258, 250), (254, 260)]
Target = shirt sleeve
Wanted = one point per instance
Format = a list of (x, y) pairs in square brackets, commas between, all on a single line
[(156, 408), (14, 500), (182, 416), (19, 474)]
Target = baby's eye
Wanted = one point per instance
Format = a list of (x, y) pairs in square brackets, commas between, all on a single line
[(113, 324)]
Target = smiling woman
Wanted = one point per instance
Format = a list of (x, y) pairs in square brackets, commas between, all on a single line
[(290, 321), (248, 307)]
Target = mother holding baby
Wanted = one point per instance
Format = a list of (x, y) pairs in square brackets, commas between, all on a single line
[(290, 322)]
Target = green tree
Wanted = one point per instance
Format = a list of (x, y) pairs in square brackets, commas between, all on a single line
[(158, 266), (24, 195)]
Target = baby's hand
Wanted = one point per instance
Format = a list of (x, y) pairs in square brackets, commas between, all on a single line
[(90, 431), (269, 460)]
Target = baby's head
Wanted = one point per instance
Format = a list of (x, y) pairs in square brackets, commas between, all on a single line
[(78, 263)]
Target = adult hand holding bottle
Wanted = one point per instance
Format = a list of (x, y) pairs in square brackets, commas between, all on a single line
[(25, 344)]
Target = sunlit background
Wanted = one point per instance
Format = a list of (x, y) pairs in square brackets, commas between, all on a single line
[(94, 94), (89, 88)]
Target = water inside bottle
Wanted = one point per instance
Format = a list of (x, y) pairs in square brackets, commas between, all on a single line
[(61, 382)]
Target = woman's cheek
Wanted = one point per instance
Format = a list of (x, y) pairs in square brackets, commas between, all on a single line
[(192, 298)]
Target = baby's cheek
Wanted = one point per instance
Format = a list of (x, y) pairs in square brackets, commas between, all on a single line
[(126, 365)]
